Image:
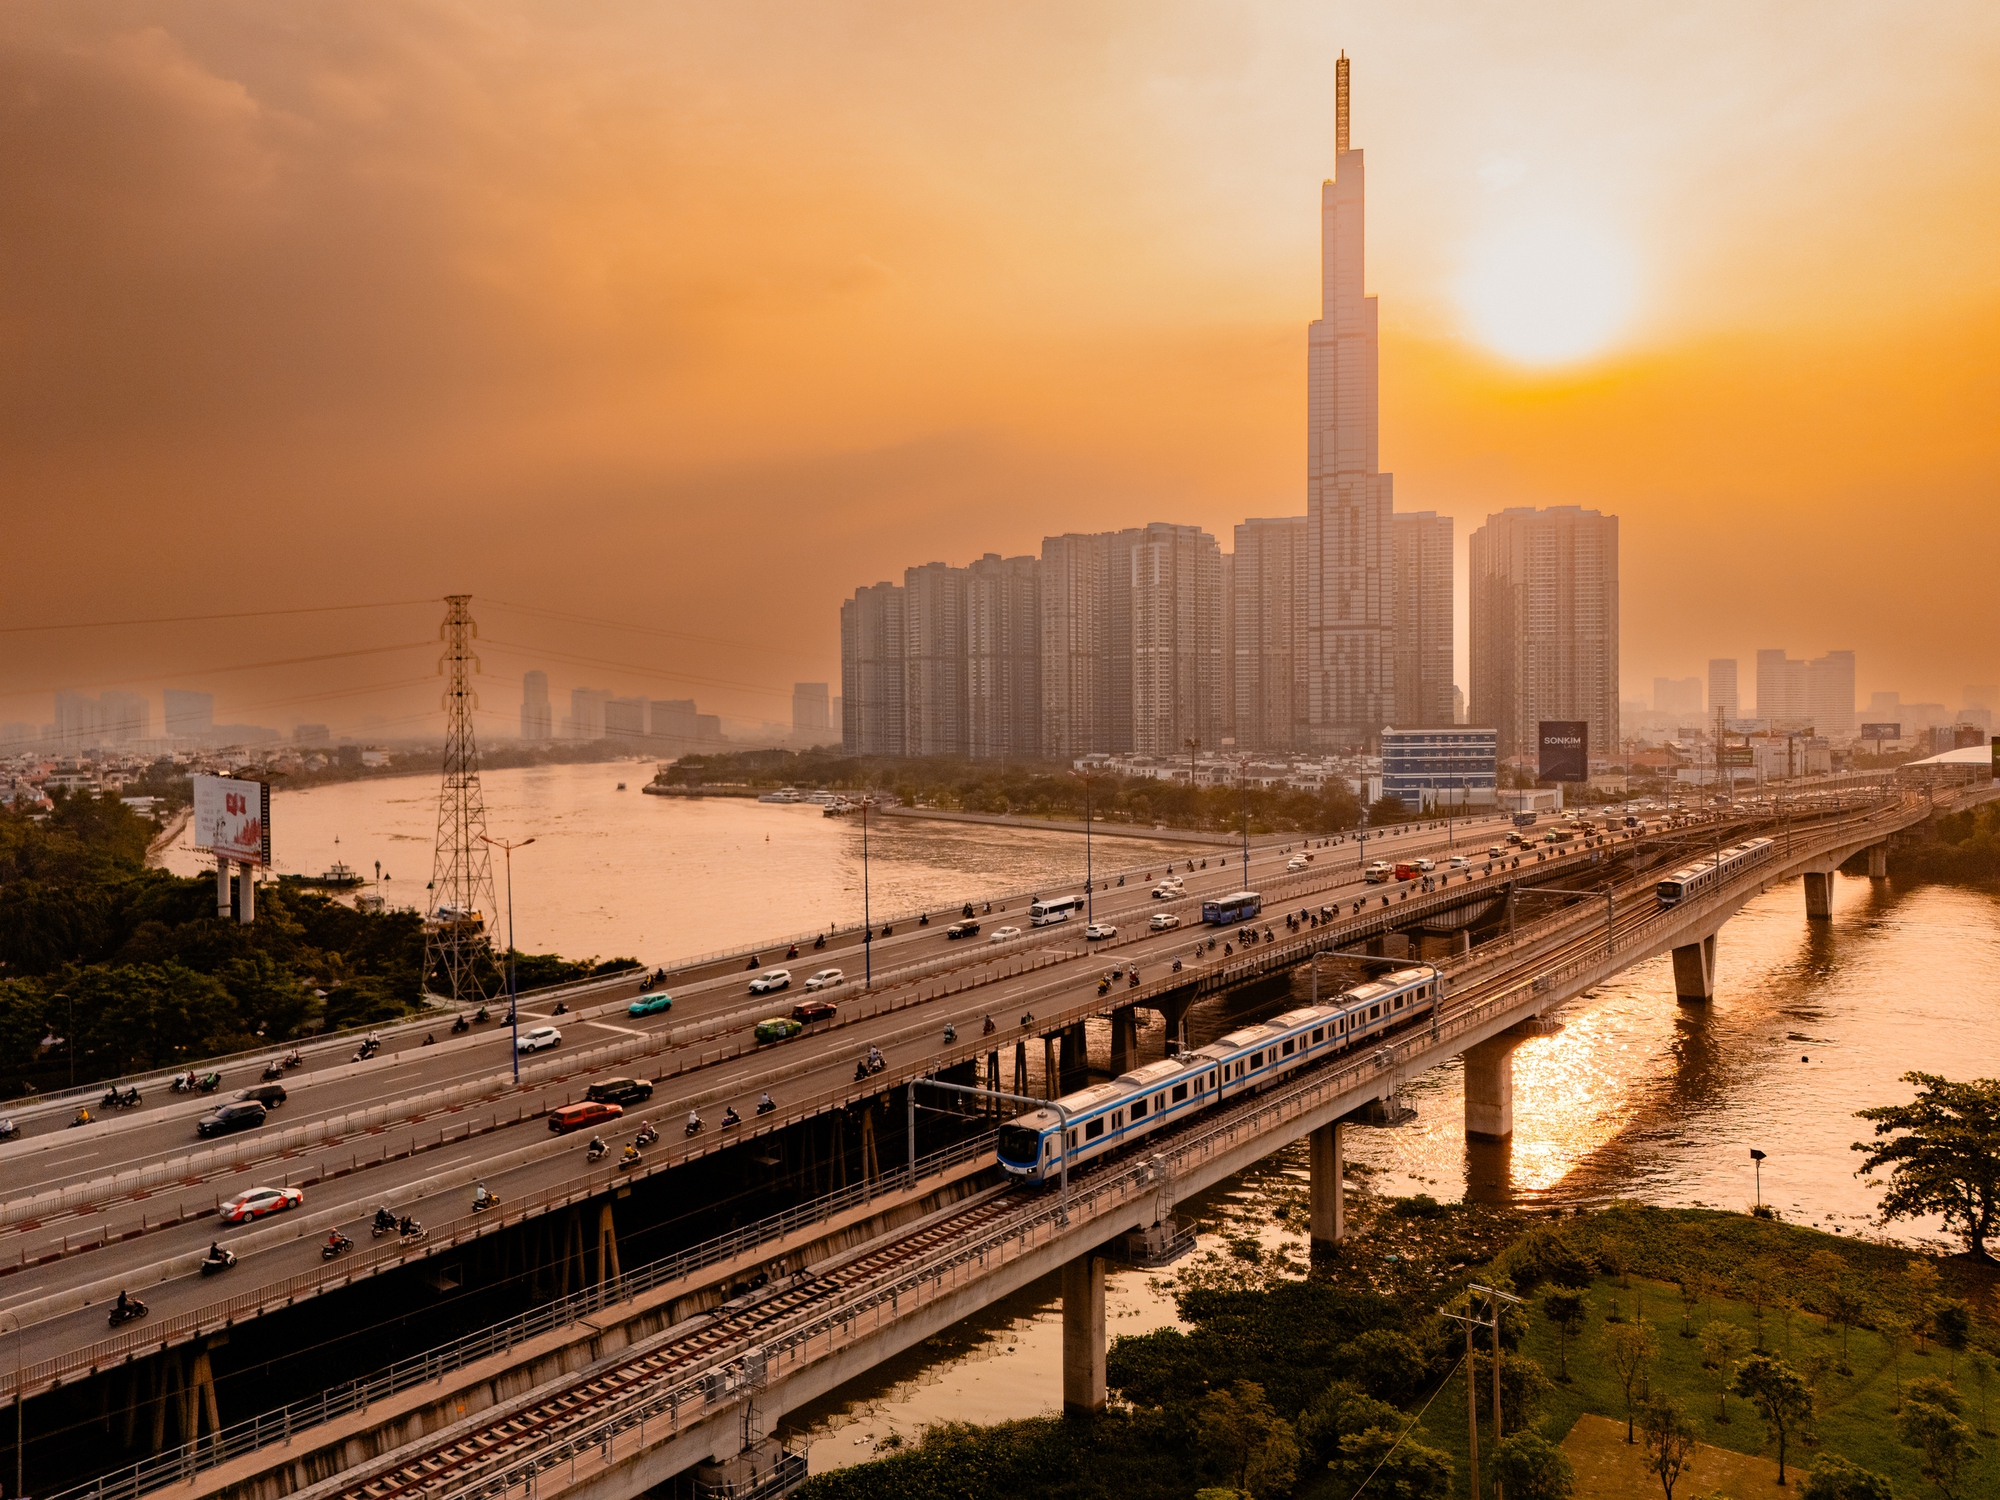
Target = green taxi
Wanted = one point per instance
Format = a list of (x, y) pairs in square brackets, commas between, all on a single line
[(650, 1005), (778, 1029)]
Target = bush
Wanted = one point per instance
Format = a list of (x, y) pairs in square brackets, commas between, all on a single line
[(1834, 1478), (1530, 1467)]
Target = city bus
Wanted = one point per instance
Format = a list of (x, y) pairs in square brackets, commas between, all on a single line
[(1240, 907), (1055, 909)]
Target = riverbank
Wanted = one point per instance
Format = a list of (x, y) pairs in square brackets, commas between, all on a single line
[(1158, 831)]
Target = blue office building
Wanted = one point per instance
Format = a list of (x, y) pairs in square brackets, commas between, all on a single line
[(1439, 768)]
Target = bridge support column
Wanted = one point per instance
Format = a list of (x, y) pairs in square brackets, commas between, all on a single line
[(1051, 1075), (1329, 1208), (1461, 941), (1124, 1040), (1489, 1089), (1174, 1012), (1075, 1066), (1694, 971), (993, 1072), (1083, 1334), (1878, 862), (1021, 1069), (1819, 896)]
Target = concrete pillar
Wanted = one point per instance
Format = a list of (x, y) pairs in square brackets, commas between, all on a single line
[(1819, 896), (1174, 1012), (1083, 1334), (993, 1071), (1329, 1209), (222, 901), (1878, 862), (1124, 1040), (1694, 971), (1021, 1068), (246, 893), (1075, 1063), (1489, 1089), (1051, 1075), (1461, 941)]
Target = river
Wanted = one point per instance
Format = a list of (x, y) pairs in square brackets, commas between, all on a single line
[(1636, 1096)]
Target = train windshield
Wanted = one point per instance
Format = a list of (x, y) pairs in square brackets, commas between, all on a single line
[(1020, 1144)]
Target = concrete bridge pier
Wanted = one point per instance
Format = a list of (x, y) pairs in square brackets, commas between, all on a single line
[(1083, 1334), (1694, 971), (1173, 1011), (1489, 1088), (1328, 1207), (1075, 1064), (1124, 1039), (1878, 862), (1021, 1068), (1819, 896)]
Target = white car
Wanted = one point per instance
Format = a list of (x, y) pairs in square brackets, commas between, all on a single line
[(1166, 890), (1461, 861), (1423, 865), (1496, 852), (536, 1040), (1096, 932), (826, 979), (1164, 921), (771, 979), (1004, 934), (1297, 862)]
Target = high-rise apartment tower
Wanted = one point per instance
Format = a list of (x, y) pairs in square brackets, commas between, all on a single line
[(1350, 671), (1268, 632), (1722, 690), (1423, 620), (537, 713)]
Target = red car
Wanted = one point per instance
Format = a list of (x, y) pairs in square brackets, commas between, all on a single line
[(258, 1202)]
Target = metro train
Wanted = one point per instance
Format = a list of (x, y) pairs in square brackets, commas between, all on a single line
[(1696, 878), (1107, 1116)]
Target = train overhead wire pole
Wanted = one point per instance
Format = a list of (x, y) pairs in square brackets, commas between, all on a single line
[(461, 890)]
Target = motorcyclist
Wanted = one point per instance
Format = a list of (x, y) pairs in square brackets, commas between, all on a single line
[(333, 1238), (124, 1305), (596, 1146), (694, 1122), (430, 1040), (765, 1103), (384, 1219), (631, 1152), (950, 1032), (408, 1226), (82, 1117), (215, 1250), (646, 1131), (730, 1117), (481, 1195), (987, 1030)]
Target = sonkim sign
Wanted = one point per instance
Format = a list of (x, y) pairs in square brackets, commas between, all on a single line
[(1565, 750)]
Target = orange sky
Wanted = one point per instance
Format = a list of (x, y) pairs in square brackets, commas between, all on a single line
[(697, 317)]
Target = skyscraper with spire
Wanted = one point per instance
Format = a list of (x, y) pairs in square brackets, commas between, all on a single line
[(1350, 535)]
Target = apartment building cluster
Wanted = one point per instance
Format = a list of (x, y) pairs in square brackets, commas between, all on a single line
[(1307, 633), (123, 721), (648, 725)]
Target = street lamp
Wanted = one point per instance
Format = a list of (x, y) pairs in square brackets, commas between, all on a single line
[(20, 1440), (867, 920), (1757, 1157), (513, 1004), (1089, 878)]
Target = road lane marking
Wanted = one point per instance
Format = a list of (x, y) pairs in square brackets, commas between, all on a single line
[(623, 1030)]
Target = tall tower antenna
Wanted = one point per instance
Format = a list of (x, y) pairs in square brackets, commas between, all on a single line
[(456, 945), (1340, 106)]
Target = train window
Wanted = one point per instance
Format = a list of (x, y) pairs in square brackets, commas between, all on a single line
[(1211, 1078), (1256, 1059), (1319, 1035), (1341, 1024), (1092, 1129), (1374, 1012), (1397, 1004), (1138, 1109), (1286, 1050), (1180, 1092)]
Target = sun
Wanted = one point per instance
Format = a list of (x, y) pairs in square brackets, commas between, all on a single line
[(1548, 291)]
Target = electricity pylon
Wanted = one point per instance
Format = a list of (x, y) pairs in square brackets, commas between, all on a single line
[(461, 888)]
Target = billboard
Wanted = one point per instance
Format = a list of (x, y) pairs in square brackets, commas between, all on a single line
[(1565, 750), (1738, 755), (1881, 731), (232, 819)]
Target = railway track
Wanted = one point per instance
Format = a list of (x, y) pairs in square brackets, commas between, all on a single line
[(579, 1403)]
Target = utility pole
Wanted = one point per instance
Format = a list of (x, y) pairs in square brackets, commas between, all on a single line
[(513, 996), (455, 937)]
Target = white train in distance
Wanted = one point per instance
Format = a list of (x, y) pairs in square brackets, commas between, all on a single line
[(1108, 1116), (1710, 872)]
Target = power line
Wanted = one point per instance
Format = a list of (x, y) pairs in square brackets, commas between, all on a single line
[(248, 614), (248, 666)]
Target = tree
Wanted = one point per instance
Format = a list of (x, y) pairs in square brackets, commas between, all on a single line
[(1410, 1472), (1942, 1440), (1722, 1344), (1982, 1376), (1690, 1290), (1895, 1331), (1760, 1287), (1946, 1159), (1254, 1442), (1781, 1395), (1527, 1466), (1632, 1348), (1386, 1364), (1951, 1321), (1670, 1440), (1827, 1271), (1920, 1277), (1565, 1309), (1834, 1478), (1341, 1410)]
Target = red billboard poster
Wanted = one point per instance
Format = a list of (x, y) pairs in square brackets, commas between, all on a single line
[(232, 818)]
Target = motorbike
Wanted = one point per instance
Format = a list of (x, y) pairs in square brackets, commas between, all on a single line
[(730, 1117), (481, 1016), (924, 920), (629, 1160), (755, 963), (888, 928), (113, 1099), (132, 1311), (876, 1062), (989, 1028), (480, 1205), (365, 1051), (8, 1130), (1103, 986), (293, 1060), (646, 1137), (561, 1009), (965, 910), (460, 1026), (950, 1033), (594, 1152), (274, 1072), (1177, 966), (1133, 982), (183, 1083), (793, 951), (340, 1244), (211, 1266), (385, 1223), (764, 1107), (208, 1083), (820, 941), (693, 1127), (410, 1231), (82, 1118), (861, 1072)]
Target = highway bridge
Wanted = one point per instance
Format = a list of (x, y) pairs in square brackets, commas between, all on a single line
[(417, 1127)]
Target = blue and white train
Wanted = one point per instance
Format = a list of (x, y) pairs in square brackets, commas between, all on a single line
[(1697, 878), (1107, 1116)]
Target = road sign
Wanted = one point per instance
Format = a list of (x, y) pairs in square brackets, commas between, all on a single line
[(1738, 755)]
